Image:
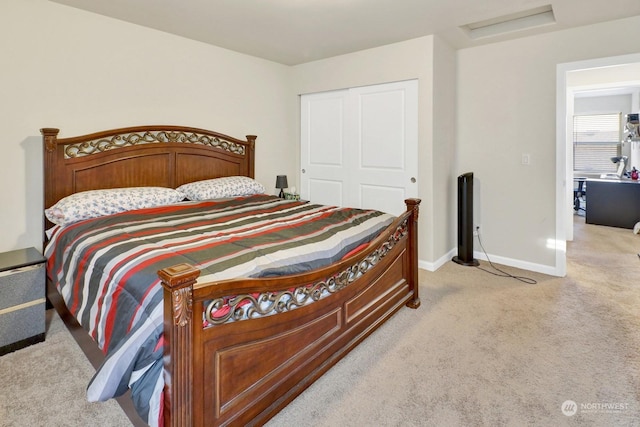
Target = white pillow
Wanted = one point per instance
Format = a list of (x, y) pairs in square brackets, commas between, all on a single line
[(96, 203), (218, 188)]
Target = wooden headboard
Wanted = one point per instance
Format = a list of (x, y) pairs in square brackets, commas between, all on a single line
[(166, 156)]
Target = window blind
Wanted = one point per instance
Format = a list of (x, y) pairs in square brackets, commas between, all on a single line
[(596, 138)]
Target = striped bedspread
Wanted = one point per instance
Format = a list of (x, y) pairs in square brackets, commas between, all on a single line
[(106, 270)]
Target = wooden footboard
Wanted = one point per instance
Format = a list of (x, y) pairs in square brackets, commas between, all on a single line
[(279, 334)]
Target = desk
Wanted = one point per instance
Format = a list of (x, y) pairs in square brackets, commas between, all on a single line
[(613, 202)]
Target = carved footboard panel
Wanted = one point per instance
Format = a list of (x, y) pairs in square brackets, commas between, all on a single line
[(279, 334)]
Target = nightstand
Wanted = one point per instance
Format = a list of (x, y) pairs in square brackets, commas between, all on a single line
[(22, 299)]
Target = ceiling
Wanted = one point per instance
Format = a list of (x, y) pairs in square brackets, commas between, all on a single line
[(292, 32)]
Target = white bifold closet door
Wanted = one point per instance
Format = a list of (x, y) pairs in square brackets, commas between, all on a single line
[(360, 146)]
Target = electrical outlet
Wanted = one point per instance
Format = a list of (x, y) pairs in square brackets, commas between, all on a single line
[(476, 230)]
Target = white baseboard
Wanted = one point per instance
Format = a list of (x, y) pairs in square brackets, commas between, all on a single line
[(524, 265), (433, 266)]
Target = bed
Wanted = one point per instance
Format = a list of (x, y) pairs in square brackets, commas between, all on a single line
[(234, 350)]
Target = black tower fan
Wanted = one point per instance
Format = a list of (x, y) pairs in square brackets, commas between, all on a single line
[(465, 221)]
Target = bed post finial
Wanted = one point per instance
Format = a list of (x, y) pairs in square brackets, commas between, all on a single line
[(413, 206), (178, 282), (251, 139), (50, 135)]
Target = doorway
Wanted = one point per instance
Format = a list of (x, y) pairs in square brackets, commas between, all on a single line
[(564, 146)]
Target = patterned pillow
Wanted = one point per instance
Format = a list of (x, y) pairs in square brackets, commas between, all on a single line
[(218, 188), (96, 203)]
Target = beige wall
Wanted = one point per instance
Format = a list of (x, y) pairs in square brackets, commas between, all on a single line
[(480, 110), (506, 106), (443, 169), (613, 76), (80, 72)]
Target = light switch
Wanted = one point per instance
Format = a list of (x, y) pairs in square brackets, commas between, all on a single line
[(526, 159)]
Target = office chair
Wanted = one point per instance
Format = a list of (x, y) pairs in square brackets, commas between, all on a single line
[(579, 193)]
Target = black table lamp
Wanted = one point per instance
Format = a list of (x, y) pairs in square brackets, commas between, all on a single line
[(281, 183)]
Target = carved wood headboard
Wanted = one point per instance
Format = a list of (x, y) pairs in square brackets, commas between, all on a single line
[(166, 156)]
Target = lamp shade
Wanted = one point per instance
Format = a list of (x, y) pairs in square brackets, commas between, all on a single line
[(281, 181)]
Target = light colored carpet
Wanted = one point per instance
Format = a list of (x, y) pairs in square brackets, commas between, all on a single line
[(480, 351), (45, 384), (492, 351)]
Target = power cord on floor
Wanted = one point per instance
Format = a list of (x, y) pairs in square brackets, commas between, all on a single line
[(501, 273)]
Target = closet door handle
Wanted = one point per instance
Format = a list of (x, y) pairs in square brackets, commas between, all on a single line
[(304, 171), (413, 180)]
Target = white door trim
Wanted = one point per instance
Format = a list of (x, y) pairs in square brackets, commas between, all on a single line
[(564, 151)]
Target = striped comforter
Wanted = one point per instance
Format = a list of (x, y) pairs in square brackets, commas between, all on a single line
[(106, 270)]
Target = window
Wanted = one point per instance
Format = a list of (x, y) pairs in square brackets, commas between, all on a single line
[(596, 138)]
